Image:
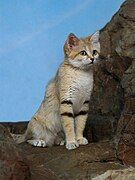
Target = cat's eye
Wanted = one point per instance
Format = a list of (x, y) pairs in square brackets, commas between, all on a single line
[(83, 53), (95, 52)]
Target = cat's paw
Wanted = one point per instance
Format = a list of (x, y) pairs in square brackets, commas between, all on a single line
[(82, 141), (62, 143), (72, 145), (37, 142)]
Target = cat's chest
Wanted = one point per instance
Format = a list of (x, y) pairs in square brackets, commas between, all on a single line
[(82, 83), (81, 88)]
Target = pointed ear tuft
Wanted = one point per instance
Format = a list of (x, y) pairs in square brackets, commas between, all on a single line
[(72, 40), (94, 41), (95, 37), (71, 43)]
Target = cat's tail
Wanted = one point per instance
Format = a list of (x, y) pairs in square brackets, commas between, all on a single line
[(20, 138)]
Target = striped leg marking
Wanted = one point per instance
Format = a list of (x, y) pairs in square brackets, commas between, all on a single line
[(67, 115), (80, 121)]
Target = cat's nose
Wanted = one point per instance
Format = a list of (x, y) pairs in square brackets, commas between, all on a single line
[(92, 59)]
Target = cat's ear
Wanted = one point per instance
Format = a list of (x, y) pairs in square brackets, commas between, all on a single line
[(94, 40), (71, 43)]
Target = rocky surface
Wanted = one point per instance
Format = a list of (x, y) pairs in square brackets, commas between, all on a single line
[(12, 161), (126, 125), (112, 105), (27, 162), (117, 40), (111, 115), (124, 174)]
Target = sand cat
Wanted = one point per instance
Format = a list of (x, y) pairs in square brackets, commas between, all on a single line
[(62, 115)]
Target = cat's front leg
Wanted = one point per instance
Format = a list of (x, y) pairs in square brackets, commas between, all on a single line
[(67, 117), (80, 121)]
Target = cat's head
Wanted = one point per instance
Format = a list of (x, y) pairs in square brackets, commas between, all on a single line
[(84, 52)]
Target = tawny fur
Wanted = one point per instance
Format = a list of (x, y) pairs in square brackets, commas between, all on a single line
[(62, 115)]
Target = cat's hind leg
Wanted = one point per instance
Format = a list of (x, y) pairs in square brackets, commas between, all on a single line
[(40, 134)]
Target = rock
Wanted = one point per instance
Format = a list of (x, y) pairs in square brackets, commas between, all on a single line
[(12, 163), (59, 163), (124, 174), (16, 127), (4, 134), (126, 126), (113, 98), (55, 162), (117, 54)]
